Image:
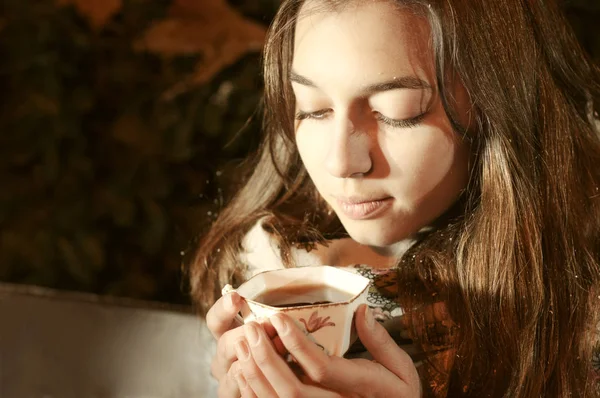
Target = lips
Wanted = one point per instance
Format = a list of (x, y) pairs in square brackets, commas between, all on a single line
[(357, 208)]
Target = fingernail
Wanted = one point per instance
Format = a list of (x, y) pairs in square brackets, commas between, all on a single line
[(279, 324), (369, 317), (241, 350), (241, 380), (251, 334)]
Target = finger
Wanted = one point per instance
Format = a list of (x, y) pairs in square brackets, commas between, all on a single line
[(221, 316), (314, 362), (245, 390), (271, 364), (226, 354), (335, 373), (228, 384), (276, 370), (252, 374), (275, 339), (383, 348)]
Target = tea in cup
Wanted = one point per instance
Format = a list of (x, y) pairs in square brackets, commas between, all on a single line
[(320, 299)]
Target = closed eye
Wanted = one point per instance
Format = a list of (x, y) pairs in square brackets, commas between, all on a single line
[(318, 115), (400, 123)]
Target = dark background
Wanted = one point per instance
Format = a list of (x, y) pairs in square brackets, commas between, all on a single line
[(122, 123)]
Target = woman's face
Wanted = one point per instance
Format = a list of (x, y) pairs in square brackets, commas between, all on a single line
[(370, 129)]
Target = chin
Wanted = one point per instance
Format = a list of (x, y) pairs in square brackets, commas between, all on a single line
[(372, 235)]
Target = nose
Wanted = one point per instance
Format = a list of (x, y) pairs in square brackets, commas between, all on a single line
[(349, 150)]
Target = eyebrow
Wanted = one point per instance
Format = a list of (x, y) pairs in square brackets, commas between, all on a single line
[(403, 82)]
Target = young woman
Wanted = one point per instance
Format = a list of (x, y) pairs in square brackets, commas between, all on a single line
[(450, 148)]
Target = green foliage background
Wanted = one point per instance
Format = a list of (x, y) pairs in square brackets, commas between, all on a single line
[(104, 184)]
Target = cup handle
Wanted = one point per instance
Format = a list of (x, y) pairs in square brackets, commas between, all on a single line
[(245, 308)]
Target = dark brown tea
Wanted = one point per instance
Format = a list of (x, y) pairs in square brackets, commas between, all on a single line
[(298, 295)]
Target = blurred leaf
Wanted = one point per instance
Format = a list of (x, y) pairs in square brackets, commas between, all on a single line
[(15, 248), (97, 12), (74, 262), (213, 117), (156, 226), (39, 103), (108, 203), (211, 28), (92, 250), (154, 183), (50, 164), (131, 130)]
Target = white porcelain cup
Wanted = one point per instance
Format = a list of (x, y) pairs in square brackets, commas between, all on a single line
[(329, 325)]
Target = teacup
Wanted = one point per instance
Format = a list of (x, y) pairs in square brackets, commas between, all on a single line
[(320, 299)]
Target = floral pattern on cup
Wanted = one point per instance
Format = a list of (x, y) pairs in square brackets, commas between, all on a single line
[(315, 322)]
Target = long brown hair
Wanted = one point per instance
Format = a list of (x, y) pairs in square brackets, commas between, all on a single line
[(518, 267)]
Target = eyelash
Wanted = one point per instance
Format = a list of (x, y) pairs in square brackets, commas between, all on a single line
[(401, 123), (396, 123)]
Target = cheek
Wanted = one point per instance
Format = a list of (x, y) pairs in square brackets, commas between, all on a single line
[(434, 159), (311, 149), (436, 162), (421, 161)]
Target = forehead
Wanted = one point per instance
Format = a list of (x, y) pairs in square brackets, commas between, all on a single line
[(374, 37)]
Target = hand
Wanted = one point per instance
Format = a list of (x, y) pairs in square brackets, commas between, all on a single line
[(222, 323), (264, 373)]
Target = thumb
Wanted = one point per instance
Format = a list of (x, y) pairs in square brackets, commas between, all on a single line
[(383, 348)]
